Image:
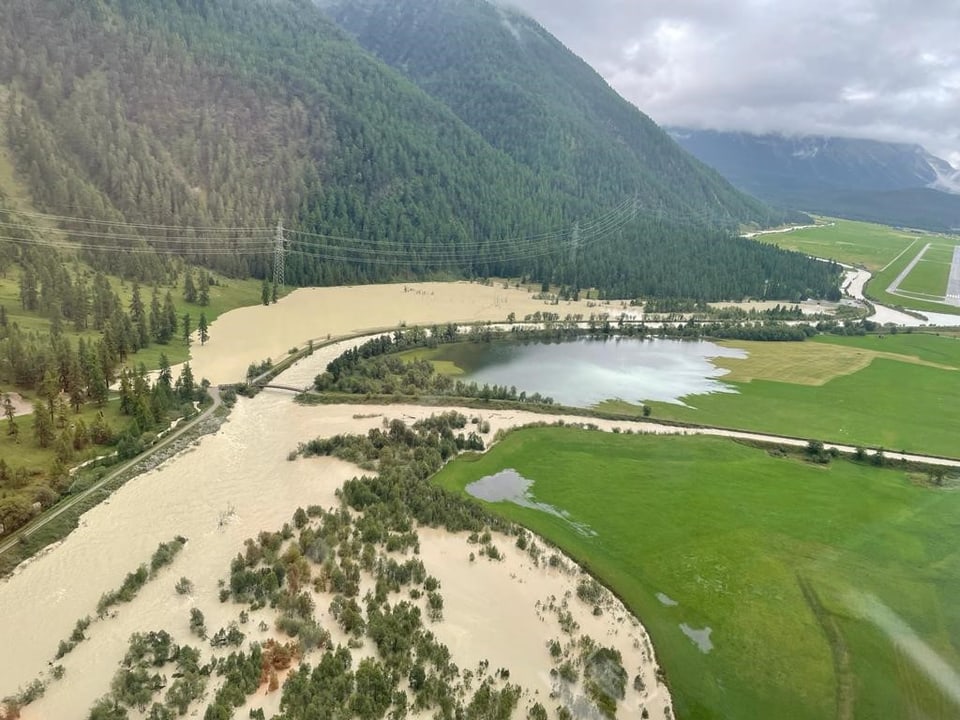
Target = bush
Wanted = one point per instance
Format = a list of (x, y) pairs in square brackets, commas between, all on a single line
[(198, 624)]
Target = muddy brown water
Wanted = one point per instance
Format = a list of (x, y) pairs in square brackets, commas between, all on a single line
[(227, 488)]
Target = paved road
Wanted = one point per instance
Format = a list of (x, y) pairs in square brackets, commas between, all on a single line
[(62, 507), (846, 449), (895, 285), (953, 283)]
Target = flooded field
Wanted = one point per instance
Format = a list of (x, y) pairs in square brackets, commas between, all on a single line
[(584, 372), (258, 332), (510, 486), (229, 487)]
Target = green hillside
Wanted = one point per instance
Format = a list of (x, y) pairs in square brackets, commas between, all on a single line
[(202, 124), (528, 95)]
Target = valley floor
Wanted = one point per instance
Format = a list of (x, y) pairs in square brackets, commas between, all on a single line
[(233, 485)]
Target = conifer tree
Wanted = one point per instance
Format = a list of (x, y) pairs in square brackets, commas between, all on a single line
[(42, 425), (202, 327), (189, 289)]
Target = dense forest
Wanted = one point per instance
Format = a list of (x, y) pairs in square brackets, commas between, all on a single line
[(189, 129), (510, 80)]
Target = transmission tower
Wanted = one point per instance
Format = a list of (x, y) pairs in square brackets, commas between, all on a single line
[(573, 249), (279, 261)]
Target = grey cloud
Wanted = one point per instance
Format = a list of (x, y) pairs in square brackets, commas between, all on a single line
[(883, 69)]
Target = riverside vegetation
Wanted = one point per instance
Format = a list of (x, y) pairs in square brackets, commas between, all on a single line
[(362, 558)]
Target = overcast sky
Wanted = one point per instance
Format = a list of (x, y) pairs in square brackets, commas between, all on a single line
[(882, 69)]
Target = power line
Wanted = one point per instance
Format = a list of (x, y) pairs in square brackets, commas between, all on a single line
[(279, 261), (118, 223), (256, 241)]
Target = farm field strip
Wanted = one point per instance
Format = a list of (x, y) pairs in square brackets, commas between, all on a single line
[(806, 363), (886, 252), (888, 403)]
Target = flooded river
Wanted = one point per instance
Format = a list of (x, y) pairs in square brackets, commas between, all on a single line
[(231, 486), (228, 487)]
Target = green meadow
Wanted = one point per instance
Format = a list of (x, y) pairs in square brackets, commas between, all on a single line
[(226, 295), (825, 587), (889, 403), (853, 243), (885, 252), (929, 275)]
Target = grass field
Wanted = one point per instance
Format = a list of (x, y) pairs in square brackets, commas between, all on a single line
[(853, 243), (929, 275), (885, 252), (810, 363), (226, 295), (796, 568), (939, 253), (940, 348), (444, 367), (891, 403)]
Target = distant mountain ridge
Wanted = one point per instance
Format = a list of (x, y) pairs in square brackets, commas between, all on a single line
[(895, 183)]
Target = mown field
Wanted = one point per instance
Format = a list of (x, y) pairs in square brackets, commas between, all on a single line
[(885, 252), (813, 579), (898, 392), (929, 276), (849, 242)]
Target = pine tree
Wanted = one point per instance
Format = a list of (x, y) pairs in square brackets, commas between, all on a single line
[(185, 384), (265, 292), (203, 294), (189, 289), (49, 390), (202, 327), (169, 318), (126, 392), (138, 317), (186, 327), (42, 425), (98, 389), (11, 414), (29, 298), (156, 317)]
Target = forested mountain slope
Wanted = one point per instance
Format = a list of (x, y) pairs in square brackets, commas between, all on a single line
[(192, 127), (518, 86)]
